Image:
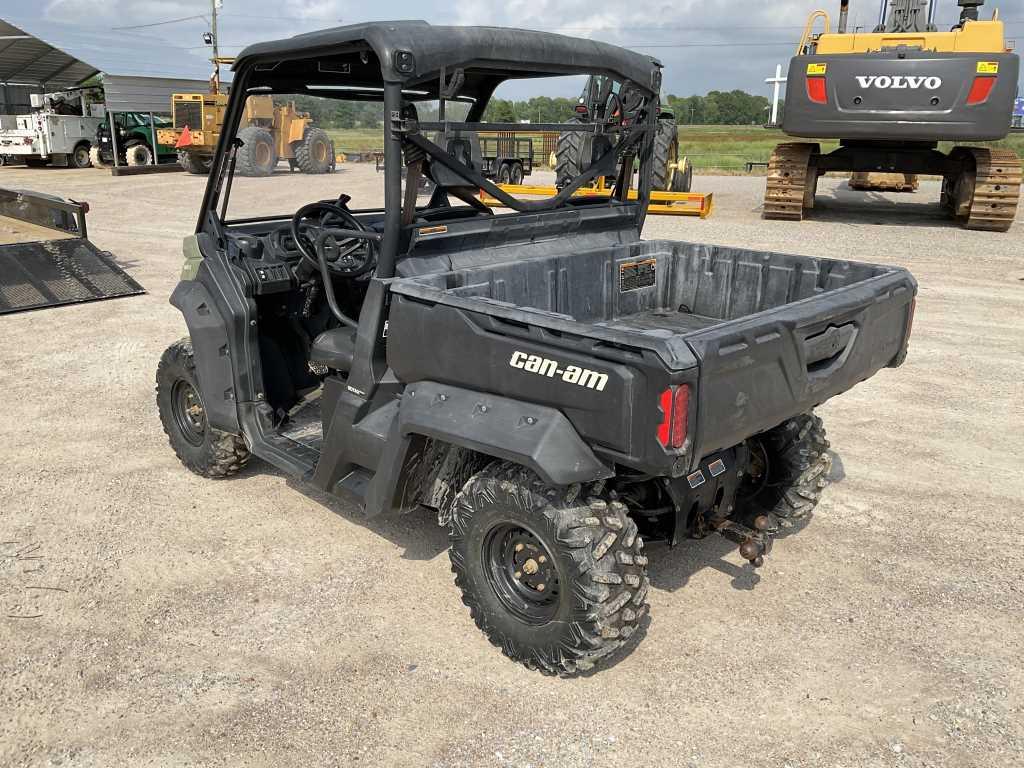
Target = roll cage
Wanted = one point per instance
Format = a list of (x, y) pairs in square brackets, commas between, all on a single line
[(404, 63)]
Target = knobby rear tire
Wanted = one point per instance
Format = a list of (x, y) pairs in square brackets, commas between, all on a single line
[(601, 572)]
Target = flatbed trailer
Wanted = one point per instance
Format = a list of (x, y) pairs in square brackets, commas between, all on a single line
[(507, 157)]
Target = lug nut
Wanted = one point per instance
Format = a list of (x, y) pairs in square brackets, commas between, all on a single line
[(540, 587), (518, 574), (542, 559), (762, 523), (519, 547)]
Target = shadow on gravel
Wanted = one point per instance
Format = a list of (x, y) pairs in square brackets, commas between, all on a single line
[(417, 533), (838, 472), (852, 207), (671, 569)]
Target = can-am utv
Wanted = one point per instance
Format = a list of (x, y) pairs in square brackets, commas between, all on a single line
[(555, 388)]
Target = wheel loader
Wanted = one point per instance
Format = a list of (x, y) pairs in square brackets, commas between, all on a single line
[(890, 96), (272, 132)]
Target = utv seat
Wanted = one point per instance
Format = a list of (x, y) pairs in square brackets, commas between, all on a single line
[(335, 348)]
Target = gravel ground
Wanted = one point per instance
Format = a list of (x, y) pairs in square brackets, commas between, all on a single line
[(256, 622)]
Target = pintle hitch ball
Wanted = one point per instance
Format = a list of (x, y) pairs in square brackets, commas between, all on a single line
[(754, 544)]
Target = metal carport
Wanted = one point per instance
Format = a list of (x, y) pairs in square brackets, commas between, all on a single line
[(139, 72)]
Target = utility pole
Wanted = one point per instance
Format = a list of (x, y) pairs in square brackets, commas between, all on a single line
[(215, 5), (210, 38)]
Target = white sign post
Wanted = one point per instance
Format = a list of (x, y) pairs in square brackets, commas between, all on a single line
[(778, 81)]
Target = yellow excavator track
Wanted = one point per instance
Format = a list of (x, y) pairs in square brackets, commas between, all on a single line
[(996, 193), (791, 181)]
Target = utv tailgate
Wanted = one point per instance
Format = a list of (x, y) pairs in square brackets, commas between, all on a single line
[(757, 372)]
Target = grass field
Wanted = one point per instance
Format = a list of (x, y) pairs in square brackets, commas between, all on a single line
[(713, 149), (728, 148)]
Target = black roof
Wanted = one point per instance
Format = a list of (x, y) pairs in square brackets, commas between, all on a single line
[(505, 53)]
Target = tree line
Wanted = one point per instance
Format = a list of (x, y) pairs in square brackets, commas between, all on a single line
[(716, 108)]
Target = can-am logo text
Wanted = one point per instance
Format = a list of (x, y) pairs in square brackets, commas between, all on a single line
[(899, 82), (570, 374)]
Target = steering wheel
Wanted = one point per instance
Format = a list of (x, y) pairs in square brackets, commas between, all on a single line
[(344, 256)]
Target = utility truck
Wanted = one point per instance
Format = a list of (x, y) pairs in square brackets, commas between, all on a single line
[(60, 129), (555, 389)]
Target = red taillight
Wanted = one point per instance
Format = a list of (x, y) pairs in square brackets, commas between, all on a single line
[(675, 411), (817, 90), (981, 89), (910, 320), (680, 416), (665, 428)]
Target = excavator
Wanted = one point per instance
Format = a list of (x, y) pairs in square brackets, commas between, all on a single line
[(890, 96)]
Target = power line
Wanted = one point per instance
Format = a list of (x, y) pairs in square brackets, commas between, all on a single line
[(160, 23), (282, 18)]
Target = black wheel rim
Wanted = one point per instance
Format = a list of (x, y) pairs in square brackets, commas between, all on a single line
[(189, 414), (522, 573)]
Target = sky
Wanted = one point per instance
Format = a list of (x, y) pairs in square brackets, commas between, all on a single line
[(705, 44)]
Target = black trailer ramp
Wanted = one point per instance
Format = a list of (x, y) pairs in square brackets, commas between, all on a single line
[(38, 272), (58, 272)]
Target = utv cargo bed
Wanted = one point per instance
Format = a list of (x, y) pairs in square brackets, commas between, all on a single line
[(766, 335)]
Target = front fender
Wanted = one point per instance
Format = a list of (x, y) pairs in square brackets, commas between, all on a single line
[(208, 332)]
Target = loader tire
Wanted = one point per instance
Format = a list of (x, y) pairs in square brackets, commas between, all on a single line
[(96, 158), (207, 451), (568, 156), (553, 578), (138, 154), (666, 154), (257, 156), (194, 163), (791, 465), (315, 153)]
